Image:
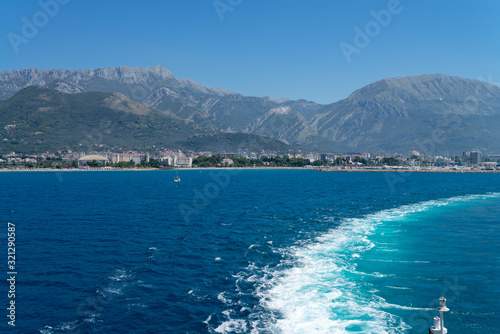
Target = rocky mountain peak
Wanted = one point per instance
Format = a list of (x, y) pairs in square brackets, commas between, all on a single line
[(424, 87), (161, 72)]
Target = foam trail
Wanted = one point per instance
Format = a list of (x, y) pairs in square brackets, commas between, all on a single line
[(320, 293)]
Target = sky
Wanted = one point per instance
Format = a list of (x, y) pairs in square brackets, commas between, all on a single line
[(315, 50)]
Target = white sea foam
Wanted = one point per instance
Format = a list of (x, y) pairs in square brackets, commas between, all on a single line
[(233, 326), (317, 296), (402, 307), (136, 306), (224, 298), (320, 294), (113, 290), (121, 275), (92, 318), (115, 285), (65, 327), (144, 285), (208, 319)]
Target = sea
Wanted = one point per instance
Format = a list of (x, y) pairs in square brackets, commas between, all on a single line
[(250, 251)]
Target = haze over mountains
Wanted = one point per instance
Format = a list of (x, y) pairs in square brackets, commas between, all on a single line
[(428, 113)]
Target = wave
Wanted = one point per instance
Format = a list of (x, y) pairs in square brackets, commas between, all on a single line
[(322, 291), (90, 310), (232, 326)]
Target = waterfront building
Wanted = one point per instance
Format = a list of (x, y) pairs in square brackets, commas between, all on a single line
[(227, 162), (99, 158), (475, 156), (494, 157), (169, 160), (131, 156), (328, 157), (183, 162), (312, 157)]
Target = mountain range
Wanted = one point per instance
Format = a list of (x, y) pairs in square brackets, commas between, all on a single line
[(429, 113), (39, 119)]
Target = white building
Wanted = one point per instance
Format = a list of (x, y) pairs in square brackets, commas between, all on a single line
[(135, 157), (169, 160), (100, 159), (227, 161), (183, 162), (312, 157)]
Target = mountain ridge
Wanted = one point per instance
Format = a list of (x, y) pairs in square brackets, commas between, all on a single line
[(39, 119), (404, 111), (389, 115), (214, 108)]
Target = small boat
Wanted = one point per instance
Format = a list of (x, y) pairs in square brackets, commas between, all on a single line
[(177, 178)]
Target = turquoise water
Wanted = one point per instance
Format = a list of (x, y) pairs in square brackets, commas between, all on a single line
[(278, 251)]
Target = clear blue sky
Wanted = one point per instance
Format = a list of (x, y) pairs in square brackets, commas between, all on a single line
[(280, 48)]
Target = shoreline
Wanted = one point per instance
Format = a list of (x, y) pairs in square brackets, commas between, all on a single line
[(138, 169), (475, 171), (75, 169), (133, 169)]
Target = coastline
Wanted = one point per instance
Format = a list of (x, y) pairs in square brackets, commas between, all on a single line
[(475, 171), (75, 169), (135, 169), (360, 170)]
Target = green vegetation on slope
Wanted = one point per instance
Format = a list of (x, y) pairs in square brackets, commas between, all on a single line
[(233, 142), (39, 119)]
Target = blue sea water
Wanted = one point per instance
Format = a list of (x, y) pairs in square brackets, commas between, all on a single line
[(252, 251)]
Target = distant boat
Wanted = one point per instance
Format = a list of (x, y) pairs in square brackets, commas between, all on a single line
[(177, 178)]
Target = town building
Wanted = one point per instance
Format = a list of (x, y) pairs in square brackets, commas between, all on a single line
[(227, 162), (183, 162), (312, 157), (328, 157), (494, 157), (475, 156), (168, 160), (127, 157), (89, 158)]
